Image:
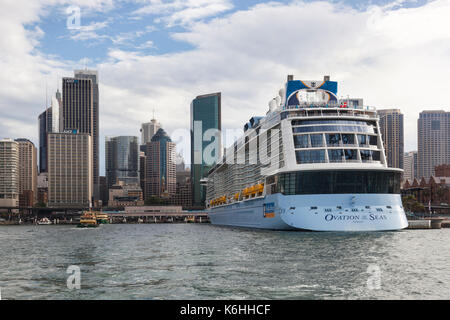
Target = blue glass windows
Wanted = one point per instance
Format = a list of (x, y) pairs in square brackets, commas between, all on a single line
[(348, 138), (373, 141), (310, 156), (365, 155), (335, 155), (362, 139), (301, 141), (333, 139), (316, 140), (376, 155), (308, 141), (339, 182), (365, 129), (350, 155)]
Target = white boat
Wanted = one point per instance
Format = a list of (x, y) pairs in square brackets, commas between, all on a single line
[(313, 162), (44, 221)]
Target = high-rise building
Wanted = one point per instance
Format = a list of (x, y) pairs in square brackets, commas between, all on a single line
[(181, 167), (27, 173), (433, 128), (410, 165), (142, 170), (55, 115), (148, 130), (205, 115), (9, 173), (45, 126), (391, 126), (80, 100), (60, 113), (160, 175), (183, 195), (70, 181), (122, 160), (104, 193), (42, 188)]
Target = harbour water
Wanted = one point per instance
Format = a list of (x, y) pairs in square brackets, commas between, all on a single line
[(202, 261)]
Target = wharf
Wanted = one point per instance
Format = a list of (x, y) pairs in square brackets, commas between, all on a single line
[(429, 223)]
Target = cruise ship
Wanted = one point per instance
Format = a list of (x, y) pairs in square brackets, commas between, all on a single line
[(313, 162)]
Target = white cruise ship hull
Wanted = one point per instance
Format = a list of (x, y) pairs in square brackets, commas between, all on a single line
[(323, 212)]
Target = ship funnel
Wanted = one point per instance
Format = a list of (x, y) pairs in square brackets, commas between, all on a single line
[(290, 77), (326, 78)]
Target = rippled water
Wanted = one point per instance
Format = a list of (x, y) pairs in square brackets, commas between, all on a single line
[(202, 261)]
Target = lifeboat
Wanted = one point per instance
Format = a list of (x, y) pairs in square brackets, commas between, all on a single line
[(259, 188), (236, 196)]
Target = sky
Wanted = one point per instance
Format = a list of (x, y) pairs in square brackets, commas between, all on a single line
[(159, 55)]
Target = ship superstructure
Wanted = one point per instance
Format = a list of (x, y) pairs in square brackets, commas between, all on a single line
[(313, 162)]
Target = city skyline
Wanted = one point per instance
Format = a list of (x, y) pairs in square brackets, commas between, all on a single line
[(376, 68)]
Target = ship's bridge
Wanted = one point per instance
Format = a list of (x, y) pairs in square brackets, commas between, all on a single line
[(322, 129)]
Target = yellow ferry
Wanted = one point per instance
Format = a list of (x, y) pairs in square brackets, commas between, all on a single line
[(88, 220)]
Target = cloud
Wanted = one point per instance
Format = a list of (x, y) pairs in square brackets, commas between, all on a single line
[(88, 32), (183, 12), (393, 58)]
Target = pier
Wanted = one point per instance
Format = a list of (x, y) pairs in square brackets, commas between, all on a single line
[(158, 217), (148, 214), (429, 223)]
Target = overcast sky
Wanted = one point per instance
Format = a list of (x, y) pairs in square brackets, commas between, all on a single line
[(161, 54)]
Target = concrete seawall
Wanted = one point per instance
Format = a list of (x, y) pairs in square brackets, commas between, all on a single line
[(419, 224), (431, 223)]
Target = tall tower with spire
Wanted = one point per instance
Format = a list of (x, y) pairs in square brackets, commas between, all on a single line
[(148, 130)]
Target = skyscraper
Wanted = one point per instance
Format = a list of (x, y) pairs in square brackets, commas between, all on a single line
[(160, 178), (27, 173), (9, 173), (391, 126), (93, 75), (205, 115), (80, 112), (45, 126), (148, 129), (410, 165), (122, 160), (142, 170), (70, 170), (433, 128), (61, 119), (183, 195)]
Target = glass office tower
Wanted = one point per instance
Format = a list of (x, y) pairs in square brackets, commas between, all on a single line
[(205, 115), (122, 160)]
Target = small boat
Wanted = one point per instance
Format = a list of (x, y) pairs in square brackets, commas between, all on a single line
[(190, 219), (88, 220), (44, 221), (140, 220)]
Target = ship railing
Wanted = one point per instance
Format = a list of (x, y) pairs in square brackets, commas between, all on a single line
[(328, 105), (337, 114)]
